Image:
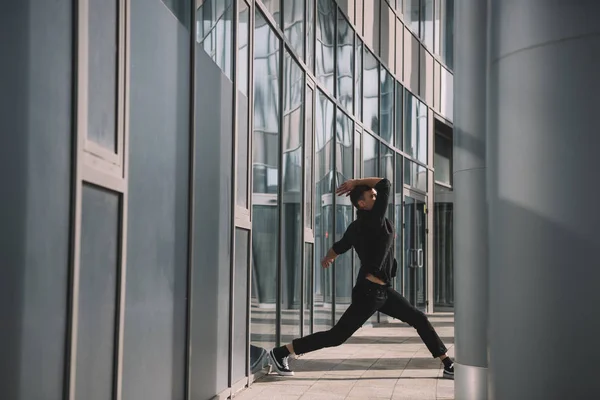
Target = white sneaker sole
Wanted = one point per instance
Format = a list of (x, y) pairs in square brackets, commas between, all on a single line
[(276, 368)]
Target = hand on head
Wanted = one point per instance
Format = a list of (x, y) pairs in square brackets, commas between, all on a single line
[(345, 188)]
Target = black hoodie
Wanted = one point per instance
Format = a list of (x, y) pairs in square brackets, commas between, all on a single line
[(372, 236)]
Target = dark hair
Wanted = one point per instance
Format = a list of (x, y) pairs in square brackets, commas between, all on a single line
[(357, 194)]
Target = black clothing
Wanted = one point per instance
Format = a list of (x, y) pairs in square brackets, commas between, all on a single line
[(367, 298), (372, 236)]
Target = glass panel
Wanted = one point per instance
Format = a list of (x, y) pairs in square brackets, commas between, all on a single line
[(427, 23), (386, 167), (326, 43), (426, 76), (436, 85), (398, 187), (98, 295), (371, 92), (214, 32), (415, 251), (370, 156), (388, 36), (447, 94), (347, 6), (293, 87), (447, 32), (371, 27), (415, 175), (411, 61), (345, 63), (399, 68), (358, 162), (274, 8), (399, 6), (243, 104), (443, 159), (344, 212), (443, 255), (399, 113), (181, 9), (415, 128), (293, 21), (437, 15), (420, 247), (409, 256), (411, 15), (359, 78), (308, 160), (310, 36), (308, 287), (265, 224), (103, 73), (386, 112), (240, 300), (324, 234), (359, 16)]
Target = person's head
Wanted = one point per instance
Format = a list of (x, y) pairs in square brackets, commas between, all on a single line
[(363, 197)]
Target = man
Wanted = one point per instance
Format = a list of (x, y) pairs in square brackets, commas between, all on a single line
[(372, 236)]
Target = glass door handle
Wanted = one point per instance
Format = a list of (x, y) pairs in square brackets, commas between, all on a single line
[(420, 258)]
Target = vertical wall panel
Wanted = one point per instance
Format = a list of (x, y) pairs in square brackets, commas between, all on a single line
[(155, 315), (35, 157), (240, 331)]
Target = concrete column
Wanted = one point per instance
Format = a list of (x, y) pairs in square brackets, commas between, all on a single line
[(470, 207), (543, 143)]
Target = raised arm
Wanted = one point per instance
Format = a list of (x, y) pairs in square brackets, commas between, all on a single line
[(383, 197)]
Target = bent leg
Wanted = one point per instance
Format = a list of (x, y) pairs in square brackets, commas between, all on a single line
[(398, 307)]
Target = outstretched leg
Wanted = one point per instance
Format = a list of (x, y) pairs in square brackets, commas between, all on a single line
[(398, 307)]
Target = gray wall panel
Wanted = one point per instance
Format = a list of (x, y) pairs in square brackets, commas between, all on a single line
[(155, 316), (212, 224), (35, 157)]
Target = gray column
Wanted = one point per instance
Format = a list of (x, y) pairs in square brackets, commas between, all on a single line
[(543, 199), (470, 226)]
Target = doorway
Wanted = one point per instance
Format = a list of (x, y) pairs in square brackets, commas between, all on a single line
[(415, 249)]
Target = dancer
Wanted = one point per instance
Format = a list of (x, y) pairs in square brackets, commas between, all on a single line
[(372, 236)]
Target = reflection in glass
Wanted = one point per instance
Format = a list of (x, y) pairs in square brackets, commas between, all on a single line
[(214, 31), (415, 128), (345, 63), (359, 16), (386, 166), (443, 225), (292, 227), (415, 175), (343, 215), (399, 70), (274, 8), (427, 23), (426, 76), (103, 73), (358, 81), (411, 61), (265, 167), (324, 234), (293, 22), (386, 112), (310, 36), (309, 267), (308, 159), (370, 156), (447, 94), (411, 15), (398, 187), (371, 91), (388, 36), (442, 160), (444, 17), (371, 27), (243, 105), (325, 50), (399, 113)]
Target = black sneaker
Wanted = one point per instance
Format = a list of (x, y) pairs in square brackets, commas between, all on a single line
[(280, 366), (449, 372)]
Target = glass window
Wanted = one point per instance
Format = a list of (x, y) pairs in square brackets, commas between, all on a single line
[(426, 76), (371, 27), (411, 61), (388, 36), (399, 68), (399, 113), (357, 155), (359, 16), (415, 128), (370, 156), (343, 213), (274, 8), (386, 167), (310, 36), (214, 32), (293, 22), (398, 188), (427, 23), (240, 298), (386, 110), (324, 233), (411, 15), (399, 5), (442, 160), (347, 7), (447, 32), (308, 159), (443, 227), (415, 175), (447, 94), (243, 105), (265, 224), (181, 9), (291, 291), (103, 73), (309, 267), (359, 81), (345, 63), (371, 91), (437, 81), (326, 43)]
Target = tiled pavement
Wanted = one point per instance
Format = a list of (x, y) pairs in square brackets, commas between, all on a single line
[(383, 362)]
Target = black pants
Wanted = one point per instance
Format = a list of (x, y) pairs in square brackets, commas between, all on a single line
[(367, 298)]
